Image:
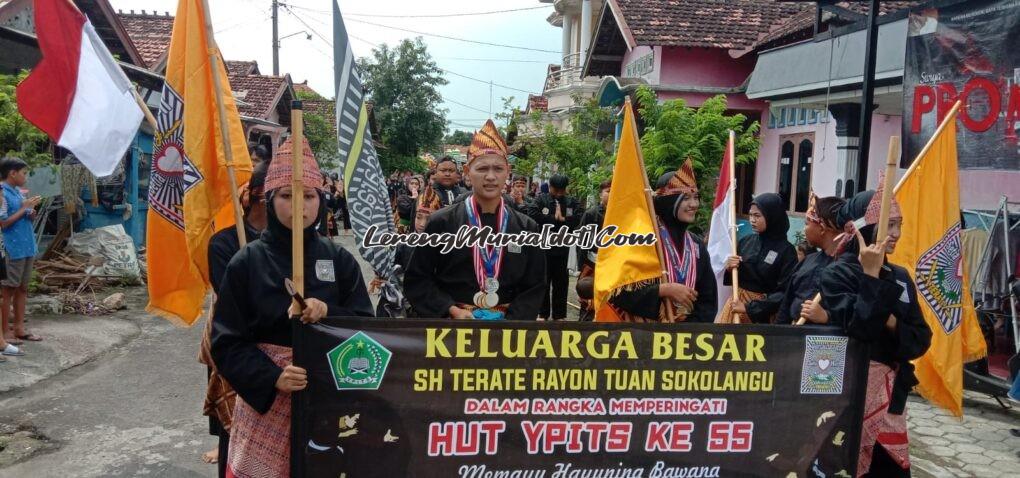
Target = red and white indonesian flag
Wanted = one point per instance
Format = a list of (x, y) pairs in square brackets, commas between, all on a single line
[(720, 231), (77, 93)]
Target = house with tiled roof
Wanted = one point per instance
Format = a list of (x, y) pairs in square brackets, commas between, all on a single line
[(678, 48), (814, 62), (810, 132), (242, 68), (122, 195), (264, 103), (150, 33)]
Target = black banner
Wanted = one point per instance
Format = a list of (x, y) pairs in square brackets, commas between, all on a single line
[(965, 51), (474, 399)]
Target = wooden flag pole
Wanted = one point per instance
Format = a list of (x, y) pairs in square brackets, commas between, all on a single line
[(731, 148), (887, 188), (658, 242), (931, 142), (297, 198), (228, 152), (145, 110), (670, 316)]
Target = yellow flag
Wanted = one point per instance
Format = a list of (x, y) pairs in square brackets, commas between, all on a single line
[(189, 188), (930, 249), (629, 211)]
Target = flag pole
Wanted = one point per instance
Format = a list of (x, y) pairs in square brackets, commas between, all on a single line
[(228, 152), (145, 110), (887, 188), (731, 146), (931, 142), (655, 220), (297, 197)]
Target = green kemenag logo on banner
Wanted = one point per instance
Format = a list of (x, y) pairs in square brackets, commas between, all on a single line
[(358, 363)]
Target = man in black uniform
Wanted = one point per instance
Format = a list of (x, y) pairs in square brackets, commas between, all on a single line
[(479, 282), (444, 181), (557, 210)]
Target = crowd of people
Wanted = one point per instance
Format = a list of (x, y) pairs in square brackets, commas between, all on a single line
[(844, 280)]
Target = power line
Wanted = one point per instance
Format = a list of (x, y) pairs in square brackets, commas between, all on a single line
[(478, 42), (487, 82), (303, 22), (444, 15), (376, 45), (434, 15), (500, 60), (445, 99)]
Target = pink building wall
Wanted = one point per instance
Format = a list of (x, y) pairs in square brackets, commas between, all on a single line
[(704, 67), (978, 189), (823, 162)]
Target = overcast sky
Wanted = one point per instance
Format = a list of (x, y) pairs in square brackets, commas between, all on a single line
[(244, 31)]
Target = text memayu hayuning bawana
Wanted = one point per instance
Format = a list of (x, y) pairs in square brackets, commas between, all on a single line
[(599, 344)]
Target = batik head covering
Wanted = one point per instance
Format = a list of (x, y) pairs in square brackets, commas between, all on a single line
[(683, 181), (488, 141), (428, 200), (874, 210), (861, 213), (281, 170)]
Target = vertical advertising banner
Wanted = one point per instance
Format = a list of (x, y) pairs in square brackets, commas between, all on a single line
[(422, 398), (965, 51)]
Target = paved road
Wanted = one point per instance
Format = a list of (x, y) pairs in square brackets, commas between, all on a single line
[(136, 411)]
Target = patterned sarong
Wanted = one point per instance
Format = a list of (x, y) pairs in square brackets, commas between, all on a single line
[(260, 444), (880, 426), (219, 397), (745, 296)]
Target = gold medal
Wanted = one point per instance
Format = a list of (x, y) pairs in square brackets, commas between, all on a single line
[(479, 300), (491, 300)]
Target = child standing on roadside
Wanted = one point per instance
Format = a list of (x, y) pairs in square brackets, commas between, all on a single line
[(20, 248)]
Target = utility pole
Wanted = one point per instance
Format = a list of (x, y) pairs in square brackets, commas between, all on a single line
[(490, 98), (867, 94), (276, 38)]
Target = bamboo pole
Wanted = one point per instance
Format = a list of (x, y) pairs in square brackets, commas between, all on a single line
[(732, 159), (887, 194), (931, 142), (145, 110), (887, 188), (228, 151), (817, 300), (297, 198)]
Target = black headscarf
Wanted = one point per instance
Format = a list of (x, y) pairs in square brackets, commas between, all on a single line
[(777, 224), (855, 208), (666, 207)]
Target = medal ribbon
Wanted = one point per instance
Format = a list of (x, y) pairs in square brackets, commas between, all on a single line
[(488, 261), (680, 270)]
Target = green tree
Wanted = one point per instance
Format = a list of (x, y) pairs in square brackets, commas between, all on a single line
[(17, 136), (404, 84), (674, 132), (322, 139), (458, 137), (584, 154)]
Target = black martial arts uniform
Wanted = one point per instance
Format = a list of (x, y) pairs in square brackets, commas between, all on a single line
[(861, 306), (222, 247), (447, 195), (767, 260), (252, 303), (802, 286), (543, 211), (436, 281)]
